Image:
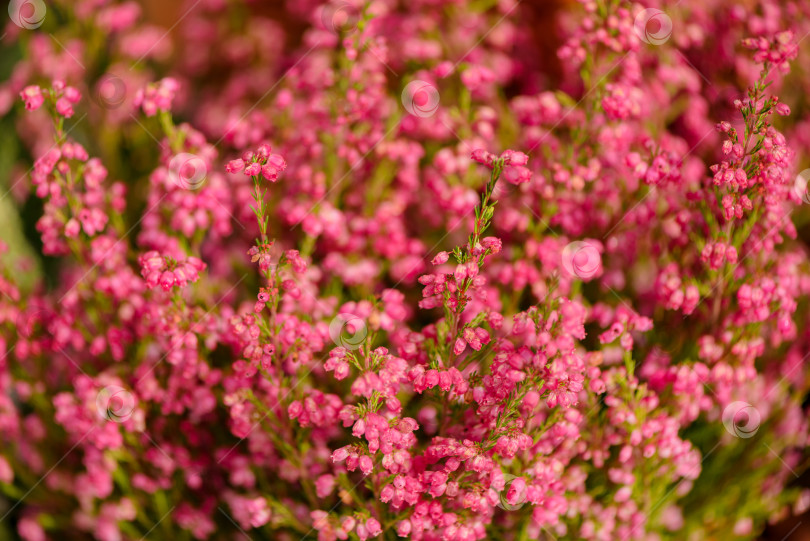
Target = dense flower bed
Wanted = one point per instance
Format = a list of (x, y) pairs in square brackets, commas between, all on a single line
[(437, 269)]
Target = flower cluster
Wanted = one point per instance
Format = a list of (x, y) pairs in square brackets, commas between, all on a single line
[(156, 269), (156, 96)]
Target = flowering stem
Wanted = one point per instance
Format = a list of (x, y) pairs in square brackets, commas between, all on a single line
[(483, 217)]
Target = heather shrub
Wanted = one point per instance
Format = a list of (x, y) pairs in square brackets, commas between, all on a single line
[(439, 270)]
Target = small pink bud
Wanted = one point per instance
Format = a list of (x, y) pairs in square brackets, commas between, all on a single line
[(72, 95), (72, 228), (441, 258), (366, 464), (234, 166), (263, 151), (324, 485), (167, 280), (64, 108), (339, 455), (373, 527)]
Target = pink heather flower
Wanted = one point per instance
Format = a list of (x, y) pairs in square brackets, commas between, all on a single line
[(483, 157), (339, 455), (482, 335), (263, 152), (295, 409), (64, 108), (72, 228), (157, 96), (404, 528), (33, 98), (366, 464), (348, 523), (476, 76), (6, 473), (324, 485), (291, 288), (514, 157), (165, 93), (611, 334), (257, 511), (72, 95), (441, 258), (443, 69), (623, 494), (341, 370), (743, 527), (516, 493), (373, 527), (30, 530), (276, 161), (297, 262), (493, 244), (167, 280), (516, 174), (269, 172), (472, 339), (234, 166)]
